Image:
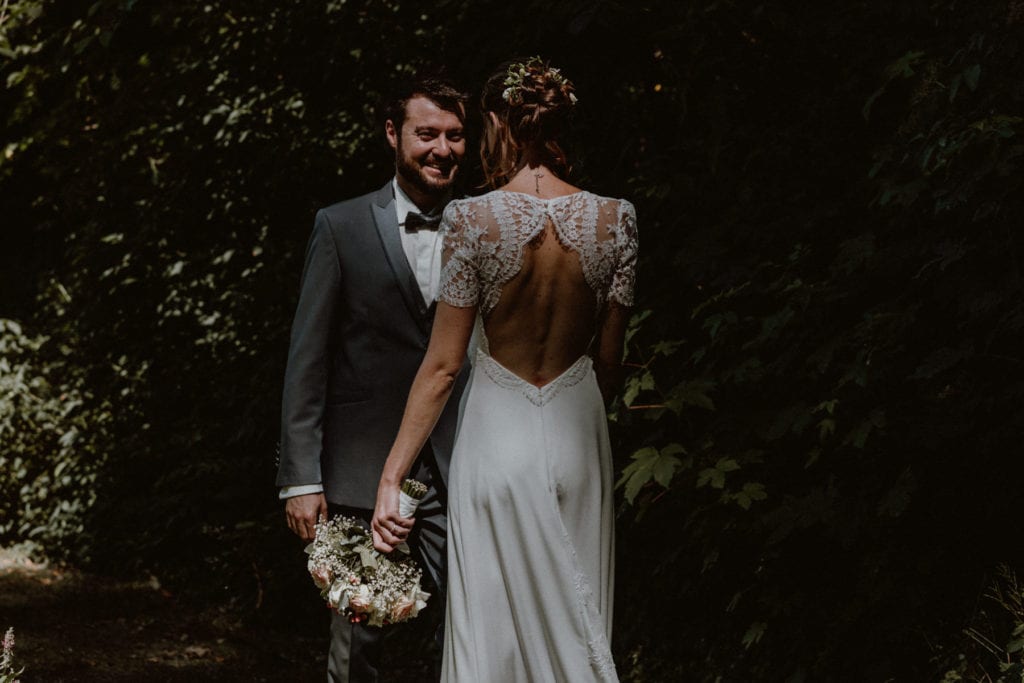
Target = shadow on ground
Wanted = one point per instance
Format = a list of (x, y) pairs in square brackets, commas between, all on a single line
[(72, 626)]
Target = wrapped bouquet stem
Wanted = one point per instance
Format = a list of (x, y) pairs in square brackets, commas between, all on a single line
[(358, 581), (409, 498)]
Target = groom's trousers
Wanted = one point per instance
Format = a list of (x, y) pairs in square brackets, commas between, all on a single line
[(356, 649)]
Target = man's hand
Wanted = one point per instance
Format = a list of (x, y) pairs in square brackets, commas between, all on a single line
[(303, 512), (389, 529)]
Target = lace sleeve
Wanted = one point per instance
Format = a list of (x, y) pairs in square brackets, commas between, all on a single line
[(460, 275), (624, 277)]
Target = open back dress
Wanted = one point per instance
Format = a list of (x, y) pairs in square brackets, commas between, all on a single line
[(530, 538)]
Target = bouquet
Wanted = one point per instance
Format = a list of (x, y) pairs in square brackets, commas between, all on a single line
[(7, 671), (358, 581)]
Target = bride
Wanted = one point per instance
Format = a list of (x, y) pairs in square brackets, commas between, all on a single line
[(544, 271)]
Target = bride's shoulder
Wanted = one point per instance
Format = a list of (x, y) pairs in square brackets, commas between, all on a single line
[(469, 203), (466, 214), (623, 207)]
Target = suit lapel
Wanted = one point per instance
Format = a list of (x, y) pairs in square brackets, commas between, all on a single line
[(387, 229)]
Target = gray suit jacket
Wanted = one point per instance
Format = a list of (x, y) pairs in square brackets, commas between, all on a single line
[(360, 332)]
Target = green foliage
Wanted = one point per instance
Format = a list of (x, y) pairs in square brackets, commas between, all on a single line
[(50, 460), (817, 439), (992, 647), (652, 464), (847, 297)]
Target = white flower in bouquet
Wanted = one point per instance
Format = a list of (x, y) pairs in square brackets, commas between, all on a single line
[(358, 581), (8, 674)]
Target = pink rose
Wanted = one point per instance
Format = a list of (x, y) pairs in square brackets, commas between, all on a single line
[(322, 577), (402, 610), (361, 601)]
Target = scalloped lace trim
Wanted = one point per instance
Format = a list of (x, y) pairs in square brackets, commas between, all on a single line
[(538, 396)]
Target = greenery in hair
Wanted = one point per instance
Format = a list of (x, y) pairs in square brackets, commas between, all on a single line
[(517, 73)]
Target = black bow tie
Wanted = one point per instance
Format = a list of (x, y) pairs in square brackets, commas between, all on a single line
[(414, 222)]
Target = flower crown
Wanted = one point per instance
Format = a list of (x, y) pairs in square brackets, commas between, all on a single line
[(517, 73)]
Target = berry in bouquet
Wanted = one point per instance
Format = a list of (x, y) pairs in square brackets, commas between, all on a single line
[(358, 581)]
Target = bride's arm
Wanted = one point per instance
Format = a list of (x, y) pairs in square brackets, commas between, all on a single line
[(430, 390), (608, 358)]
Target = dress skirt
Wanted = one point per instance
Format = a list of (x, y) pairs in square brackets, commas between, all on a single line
[(530, 531)]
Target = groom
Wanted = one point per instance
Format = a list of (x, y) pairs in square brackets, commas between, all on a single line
[(360, 331)]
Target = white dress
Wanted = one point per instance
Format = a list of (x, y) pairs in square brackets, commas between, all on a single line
[(530, 535)]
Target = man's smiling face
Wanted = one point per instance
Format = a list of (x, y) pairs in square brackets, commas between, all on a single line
[(428, 149)]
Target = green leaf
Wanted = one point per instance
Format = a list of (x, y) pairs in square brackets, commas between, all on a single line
[(632, 391), (647, 464), (751, 491), (727, 465), (667, 464), (634, 326), (712, 476), (971, 76), (754, 634), (647, 381), (715, 476), (826, 428), (692, 393), (904, 66), (367, 556), (666, 348), (638, 472)]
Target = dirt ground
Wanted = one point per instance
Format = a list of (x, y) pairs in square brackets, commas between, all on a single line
[(71, 626)]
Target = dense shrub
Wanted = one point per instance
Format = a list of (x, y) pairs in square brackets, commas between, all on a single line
[(818, 441), (51, 458)]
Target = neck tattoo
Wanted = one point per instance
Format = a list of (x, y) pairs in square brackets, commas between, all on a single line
[(536, 177)]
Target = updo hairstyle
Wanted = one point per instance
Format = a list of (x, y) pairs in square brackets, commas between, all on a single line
[(532, 102)]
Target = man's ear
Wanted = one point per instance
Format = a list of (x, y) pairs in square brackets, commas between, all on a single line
[(391, 133)]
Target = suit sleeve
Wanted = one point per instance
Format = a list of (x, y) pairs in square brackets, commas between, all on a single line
[(305, 379)]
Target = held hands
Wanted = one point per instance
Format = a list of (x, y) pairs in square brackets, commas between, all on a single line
[(389, 528)]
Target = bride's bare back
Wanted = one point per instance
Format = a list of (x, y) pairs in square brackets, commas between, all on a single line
[(542, 271)]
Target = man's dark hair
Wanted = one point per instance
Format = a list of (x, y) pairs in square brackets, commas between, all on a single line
[(435, 86)]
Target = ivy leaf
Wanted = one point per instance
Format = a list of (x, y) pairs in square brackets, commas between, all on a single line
[(667, 464), (666, 348), (751, 491), (728, 465), (647, 381), (715, 476), (632, 391), (650, 463), (638, 472)]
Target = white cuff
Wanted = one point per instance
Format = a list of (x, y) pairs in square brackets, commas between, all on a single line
[(301, 490)]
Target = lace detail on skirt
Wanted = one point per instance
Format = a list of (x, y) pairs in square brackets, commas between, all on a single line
[(538, 396), (598, 649)]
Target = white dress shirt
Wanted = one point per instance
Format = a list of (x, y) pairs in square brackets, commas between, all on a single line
[(423, 252)]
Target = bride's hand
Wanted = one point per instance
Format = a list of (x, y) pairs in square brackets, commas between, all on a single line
[(388, 527)]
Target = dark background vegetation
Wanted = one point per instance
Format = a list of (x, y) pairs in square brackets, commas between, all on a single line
[(820, 439)]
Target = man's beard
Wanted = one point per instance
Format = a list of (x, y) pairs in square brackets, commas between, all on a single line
[(414, 175)]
